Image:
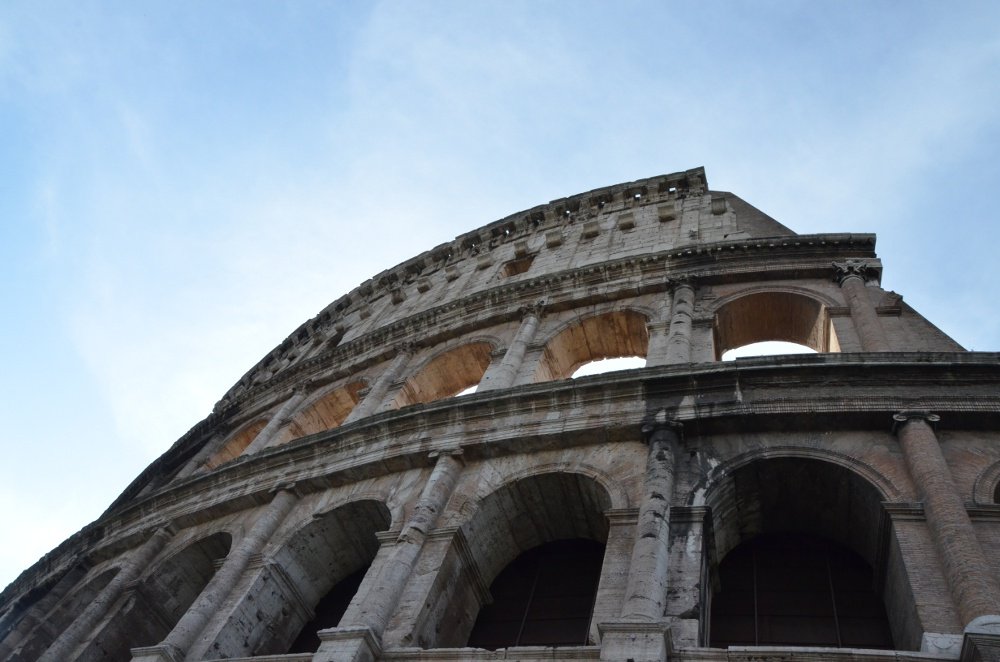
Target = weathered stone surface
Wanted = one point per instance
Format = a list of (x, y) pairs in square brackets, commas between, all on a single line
[(423, 498)]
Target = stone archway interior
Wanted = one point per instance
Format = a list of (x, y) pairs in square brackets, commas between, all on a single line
[(769, 316), (326, 560), (611, 335), (823, 524), (447, 374), (543, 598), (797, 589), (328, 412), (235, 446)]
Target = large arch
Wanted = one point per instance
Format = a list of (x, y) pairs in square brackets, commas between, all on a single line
[(236, 444), (446, 374), (324, 413), (520, 516), (147, 614), (986, 489), (60, 617), (605, 336), (288, 594), (785, 315), (805, 499)]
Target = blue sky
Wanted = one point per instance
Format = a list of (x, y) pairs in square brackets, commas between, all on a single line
[(183, 183)]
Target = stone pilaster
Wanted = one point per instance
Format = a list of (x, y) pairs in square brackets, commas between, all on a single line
[(852, 276), (645, 596), (658, 330), (642, 633), (96, 611), (504, 373), (372, 402), (283, 415), (966, 569), (191, 624), (679, 339)]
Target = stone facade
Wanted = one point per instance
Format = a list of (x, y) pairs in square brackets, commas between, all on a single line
[(342, 454)]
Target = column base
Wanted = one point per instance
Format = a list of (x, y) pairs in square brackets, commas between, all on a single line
[(635, 641), (158, 653), (348, 644), (948, 646), (982, 640)]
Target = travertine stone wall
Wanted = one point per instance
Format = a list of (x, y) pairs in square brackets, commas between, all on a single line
[(343, 450)]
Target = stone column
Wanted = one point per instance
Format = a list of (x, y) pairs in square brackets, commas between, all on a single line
[(358, 637), (973, 587), (645, 597), (659, 333), (86, 623), (642, 632), (852, 276), (285, 412), (503, 375), (679, 340), (372, 402), (186, 632)]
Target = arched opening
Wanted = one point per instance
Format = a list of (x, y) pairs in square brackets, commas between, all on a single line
[(796, 589), (326, 560), (329, 610), (519, 517), (159, 601), (543, 598), (787, 529), (236, 444), (611, 335), (996, 494), (446, 374), (326, 413), (774, 316), (60, 618)]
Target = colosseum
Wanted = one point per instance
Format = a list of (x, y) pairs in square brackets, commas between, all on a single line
[(349, 501)]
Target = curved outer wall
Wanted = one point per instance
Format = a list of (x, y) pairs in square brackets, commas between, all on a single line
[(342, 453)]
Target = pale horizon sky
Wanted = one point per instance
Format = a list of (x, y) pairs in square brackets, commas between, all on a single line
[(182, 184)]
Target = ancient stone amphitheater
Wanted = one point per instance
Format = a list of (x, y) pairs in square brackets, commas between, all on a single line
[(341, 505)]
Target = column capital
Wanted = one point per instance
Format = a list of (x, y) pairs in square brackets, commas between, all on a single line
[(899, 419), (291, 488), (406, 347), (853, 268), (536, 309), (456, 453), (685, 280), (658, 426)]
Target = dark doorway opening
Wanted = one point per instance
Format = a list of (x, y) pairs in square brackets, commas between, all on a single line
[(545, 597), (796, 589), (329, 611)]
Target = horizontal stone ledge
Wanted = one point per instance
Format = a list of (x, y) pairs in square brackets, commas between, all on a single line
[(523, 653), (794, 654), (513, 420)]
